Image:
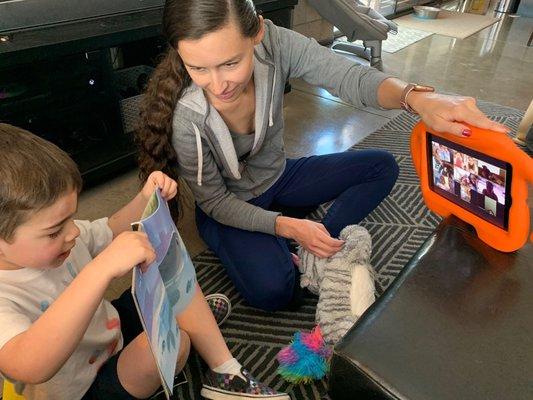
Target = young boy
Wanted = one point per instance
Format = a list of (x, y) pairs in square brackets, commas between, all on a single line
[(57, 334)]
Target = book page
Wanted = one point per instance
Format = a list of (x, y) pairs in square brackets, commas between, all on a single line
[(165, 288)]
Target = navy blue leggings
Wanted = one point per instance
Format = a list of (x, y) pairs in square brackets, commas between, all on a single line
[(259, 264)]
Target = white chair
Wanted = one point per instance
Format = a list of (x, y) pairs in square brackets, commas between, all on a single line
[(357, 22)]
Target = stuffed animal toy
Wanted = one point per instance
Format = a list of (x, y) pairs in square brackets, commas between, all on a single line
[(343, 282)]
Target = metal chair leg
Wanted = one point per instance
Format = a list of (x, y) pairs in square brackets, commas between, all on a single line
[(375, 51), (371, 51)]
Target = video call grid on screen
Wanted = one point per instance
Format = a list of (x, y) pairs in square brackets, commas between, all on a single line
[(476, 182)]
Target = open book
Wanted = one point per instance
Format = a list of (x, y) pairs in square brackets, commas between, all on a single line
[(165, 288)]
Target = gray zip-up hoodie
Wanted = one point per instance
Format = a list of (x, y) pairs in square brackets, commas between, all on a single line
[(207, 160)]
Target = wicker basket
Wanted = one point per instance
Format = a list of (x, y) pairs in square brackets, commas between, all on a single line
[(129, 106)]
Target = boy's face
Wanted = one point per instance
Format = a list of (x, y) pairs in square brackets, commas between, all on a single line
[(45, 239)]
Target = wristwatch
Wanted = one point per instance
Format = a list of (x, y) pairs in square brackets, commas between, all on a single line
[(413, 87)]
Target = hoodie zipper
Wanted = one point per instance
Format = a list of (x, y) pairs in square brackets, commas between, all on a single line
[(245, 170)]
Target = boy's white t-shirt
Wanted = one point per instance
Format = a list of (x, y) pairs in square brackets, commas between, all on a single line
[(26, 293)]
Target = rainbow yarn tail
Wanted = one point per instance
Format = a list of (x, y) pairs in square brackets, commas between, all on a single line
[(306, 358)]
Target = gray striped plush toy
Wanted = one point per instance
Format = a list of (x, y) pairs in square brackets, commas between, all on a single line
[(344, 282)]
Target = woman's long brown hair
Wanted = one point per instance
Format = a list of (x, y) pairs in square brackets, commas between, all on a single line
[(182, 20)]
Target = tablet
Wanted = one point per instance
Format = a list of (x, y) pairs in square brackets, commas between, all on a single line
[(482, 179), (476, 182)]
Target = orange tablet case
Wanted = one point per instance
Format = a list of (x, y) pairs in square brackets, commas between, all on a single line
[(497, 145)]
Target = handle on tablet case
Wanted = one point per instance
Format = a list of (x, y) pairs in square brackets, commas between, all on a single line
[(494, 144)]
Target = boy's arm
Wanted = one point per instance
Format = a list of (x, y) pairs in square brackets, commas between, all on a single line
[(42, 349), (132, 212), (121, 220), (37, 354)]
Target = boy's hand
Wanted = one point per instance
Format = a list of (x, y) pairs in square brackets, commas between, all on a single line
[(125, 252), (157, 179)]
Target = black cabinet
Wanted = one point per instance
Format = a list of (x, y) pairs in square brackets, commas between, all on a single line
[(70, 101), (60, 81)]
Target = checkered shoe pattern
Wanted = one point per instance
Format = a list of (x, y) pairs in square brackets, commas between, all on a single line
[(220, 306), (229, 387)]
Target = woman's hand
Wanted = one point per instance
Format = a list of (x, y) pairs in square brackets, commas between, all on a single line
[(443, 113), (157, 179), (311, 235)]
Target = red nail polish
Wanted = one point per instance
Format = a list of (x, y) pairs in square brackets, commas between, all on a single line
[(466, 132)]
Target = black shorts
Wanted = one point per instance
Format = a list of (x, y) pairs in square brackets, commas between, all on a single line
[(107, 386)]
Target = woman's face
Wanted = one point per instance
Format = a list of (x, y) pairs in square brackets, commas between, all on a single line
[(221, 62)]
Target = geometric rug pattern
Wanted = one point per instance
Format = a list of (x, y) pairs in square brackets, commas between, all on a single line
[(398, 227)]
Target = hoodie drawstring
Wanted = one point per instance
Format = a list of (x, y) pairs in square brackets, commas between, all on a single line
[(199, 150), (271, 112), (200, 154)]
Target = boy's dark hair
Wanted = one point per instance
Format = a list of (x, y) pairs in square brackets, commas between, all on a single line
[(34, 174)]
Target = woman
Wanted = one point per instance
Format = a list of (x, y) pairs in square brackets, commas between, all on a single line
[(213, 115)]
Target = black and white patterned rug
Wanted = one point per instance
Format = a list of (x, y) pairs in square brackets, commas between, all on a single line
[(398, 228)]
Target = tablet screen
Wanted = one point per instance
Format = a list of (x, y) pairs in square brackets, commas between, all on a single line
[(478, 183)]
